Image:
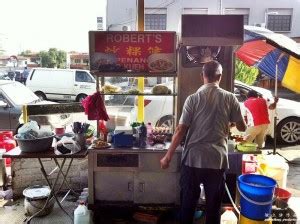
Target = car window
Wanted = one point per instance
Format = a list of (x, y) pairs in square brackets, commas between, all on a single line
[(18, 93), (241, 93), (3, 100), (2, 97), (18, 75), (11, 75), (82, 76)]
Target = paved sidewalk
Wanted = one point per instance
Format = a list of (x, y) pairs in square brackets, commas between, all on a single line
[(292, 153)]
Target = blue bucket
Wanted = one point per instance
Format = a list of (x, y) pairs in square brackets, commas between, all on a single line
[(256, 195)]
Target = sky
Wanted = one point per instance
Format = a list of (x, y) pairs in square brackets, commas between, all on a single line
[(42, 24)]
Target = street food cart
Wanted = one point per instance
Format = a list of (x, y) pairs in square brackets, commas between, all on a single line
[(132, 175), (125, 174)]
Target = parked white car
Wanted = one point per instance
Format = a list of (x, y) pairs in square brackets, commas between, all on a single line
[(61, 84), (288, 113), (159, 109)]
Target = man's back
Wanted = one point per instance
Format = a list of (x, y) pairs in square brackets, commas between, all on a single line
[(208, 113)]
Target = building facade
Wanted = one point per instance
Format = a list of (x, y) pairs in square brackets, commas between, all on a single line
[(77, 60), (13, 62), (280, 16)]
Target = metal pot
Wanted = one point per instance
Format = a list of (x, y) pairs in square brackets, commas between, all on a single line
[(35, 199)]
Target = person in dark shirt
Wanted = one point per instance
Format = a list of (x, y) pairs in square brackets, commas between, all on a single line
[(205, 118), (24, 75)]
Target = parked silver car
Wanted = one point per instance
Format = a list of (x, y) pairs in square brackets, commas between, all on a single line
[(3, 76), (13, 95)]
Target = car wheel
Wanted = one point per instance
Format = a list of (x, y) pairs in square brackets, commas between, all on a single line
[(288, 131), (81, 97), (41, 95), (166, 122)]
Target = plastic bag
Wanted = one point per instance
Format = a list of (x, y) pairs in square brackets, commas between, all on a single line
[(66, 146), (31, 131), (31, 126)]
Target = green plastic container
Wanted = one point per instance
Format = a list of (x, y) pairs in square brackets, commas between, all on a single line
[(247, 147)]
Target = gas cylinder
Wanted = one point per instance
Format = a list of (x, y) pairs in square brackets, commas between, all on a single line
[(4, 134), (8, 144)]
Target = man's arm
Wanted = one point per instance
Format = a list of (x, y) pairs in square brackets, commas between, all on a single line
[(273, 105), (180, 132), (236, 115), (241, 125)]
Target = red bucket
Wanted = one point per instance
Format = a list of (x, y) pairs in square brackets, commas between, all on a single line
[(282, 194), (282, 198)]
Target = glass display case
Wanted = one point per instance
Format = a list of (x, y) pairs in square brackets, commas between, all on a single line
[(119, 59)]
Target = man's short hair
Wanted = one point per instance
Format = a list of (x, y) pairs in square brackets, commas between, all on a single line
[(212, 70), (252, 93)]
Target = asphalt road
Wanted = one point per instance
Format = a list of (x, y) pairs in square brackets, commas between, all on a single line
[(279, 146)]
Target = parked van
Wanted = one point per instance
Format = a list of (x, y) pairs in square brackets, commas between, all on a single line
[(61, 84)]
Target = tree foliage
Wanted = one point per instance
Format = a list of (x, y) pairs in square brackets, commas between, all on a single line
[(53, 58), (244, 73), (26, 53)]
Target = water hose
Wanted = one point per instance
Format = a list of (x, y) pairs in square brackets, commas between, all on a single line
[(231, 200)]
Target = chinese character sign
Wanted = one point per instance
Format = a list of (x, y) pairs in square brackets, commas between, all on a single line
[(133, 51)]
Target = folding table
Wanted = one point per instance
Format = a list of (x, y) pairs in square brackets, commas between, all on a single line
[(16, 153)]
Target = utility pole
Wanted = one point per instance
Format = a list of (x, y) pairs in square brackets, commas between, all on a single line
[(141, 15), (141, 23), (221, 7)]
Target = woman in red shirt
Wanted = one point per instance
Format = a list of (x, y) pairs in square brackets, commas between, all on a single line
[(257, 117)]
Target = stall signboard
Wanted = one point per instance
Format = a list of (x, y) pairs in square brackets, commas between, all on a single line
[(149, 52)]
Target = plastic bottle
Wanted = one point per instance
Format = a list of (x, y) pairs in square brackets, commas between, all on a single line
[(143, 135), (149, 133), (102, 130), (109, 137), (228, 217), (81, 214), (202, 193)]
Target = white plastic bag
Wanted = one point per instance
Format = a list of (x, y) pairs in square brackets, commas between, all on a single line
[(68, 144), (31, 126)]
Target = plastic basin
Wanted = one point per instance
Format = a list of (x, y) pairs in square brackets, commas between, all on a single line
[(247, 147), (35, 145)]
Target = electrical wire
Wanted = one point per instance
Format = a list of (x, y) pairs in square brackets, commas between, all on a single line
[(160, 6), (155, 9)]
